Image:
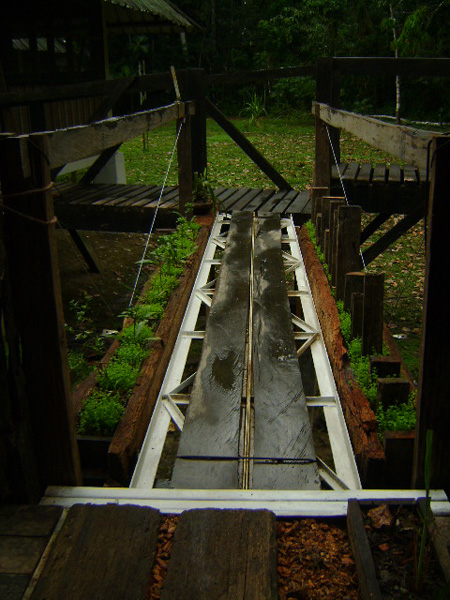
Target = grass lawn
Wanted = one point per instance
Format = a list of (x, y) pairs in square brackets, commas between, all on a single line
[(288, 143)]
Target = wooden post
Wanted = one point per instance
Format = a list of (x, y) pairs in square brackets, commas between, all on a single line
[(372, 335), (325, 220), (185, 167), (192, 83), (434, 381), (316, 194), (32, 261), (347, 245), (354, 283), (334, 206), (356, 311), (327, 92)]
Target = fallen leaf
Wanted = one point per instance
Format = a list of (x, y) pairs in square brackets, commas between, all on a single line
[(384, 547), (380, 516)]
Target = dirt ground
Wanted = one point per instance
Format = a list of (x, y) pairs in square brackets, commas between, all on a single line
[(116, 255)]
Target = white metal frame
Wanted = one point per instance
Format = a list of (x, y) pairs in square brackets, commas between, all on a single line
[(345, 476), (285, 503)]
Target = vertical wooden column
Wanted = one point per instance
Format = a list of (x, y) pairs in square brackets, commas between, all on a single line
[(36, 294), (335, 203), (347, 245), (192, 82), (185, 167), (317, 194), (327, 92), (372, 329), (434, 382)]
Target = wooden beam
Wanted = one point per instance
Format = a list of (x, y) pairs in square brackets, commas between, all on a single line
[(31, 249), (365, 567), (434, 382), (392, 235), (247, 146), (347, 245), (75, 143), (372, 324), (411, 67), (244, 77), (406, 143), (185, 168)]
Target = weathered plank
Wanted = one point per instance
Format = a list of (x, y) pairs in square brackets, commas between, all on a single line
[(75, 143), (101, 552), (209, 445), (406, 143), (301, 204), (367, 578), (365, 174), (225, 554), (282, 427)]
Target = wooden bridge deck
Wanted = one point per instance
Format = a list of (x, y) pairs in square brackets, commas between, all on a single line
[(117, 207), (381, 188)]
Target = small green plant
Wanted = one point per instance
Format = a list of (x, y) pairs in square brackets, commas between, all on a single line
[(202, 190), (321, 256), (254, 108), (78, 365), (117, 376), (397, 417), (346, 322), (100, 414)]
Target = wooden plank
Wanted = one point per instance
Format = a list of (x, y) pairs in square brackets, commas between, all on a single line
[(75, 143), (282, 427), (236, 196), (301, 204), (260, 200), (367, 578), (211, 427), (273, 201), (28, 520), (247, 146), (409, 175), (379, 174), (351, 172), (246, 200), (365, 174), (286, 201), (20, 554), (95, 554), (395, 175), (225, 554), (406, 143)]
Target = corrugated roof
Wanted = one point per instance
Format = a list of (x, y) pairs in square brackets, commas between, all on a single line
[(160, 8)]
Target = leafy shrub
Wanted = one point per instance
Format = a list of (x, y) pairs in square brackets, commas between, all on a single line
[(100, 414), (78, 365), (401, 417), (360, 366), (346, 322), (131, 354), (139, 333), (118, 376)]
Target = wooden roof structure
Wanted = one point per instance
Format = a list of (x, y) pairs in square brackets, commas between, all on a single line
[(51, 42)]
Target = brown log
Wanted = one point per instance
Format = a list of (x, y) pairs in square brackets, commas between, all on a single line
[(359, 416), (130, 433)]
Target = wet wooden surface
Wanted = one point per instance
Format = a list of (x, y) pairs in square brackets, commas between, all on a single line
[(282, 426), (101, 552), (209, 446), (120, 207), (225, 554)]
